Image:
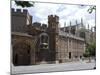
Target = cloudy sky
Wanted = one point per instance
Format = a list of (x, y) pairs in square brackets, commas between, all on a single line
[(66, 13)]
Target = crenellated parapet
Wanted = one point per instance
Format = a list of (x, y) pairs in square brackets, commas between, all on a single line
[(53, 23), (19, 11), (20, 20), (37, 24), (44, 26), (53, 18)]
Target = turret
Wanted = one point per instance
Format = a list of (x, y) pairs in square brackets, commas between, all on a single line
[(81, 22), (19, 20), (69, 29), (53, 22)]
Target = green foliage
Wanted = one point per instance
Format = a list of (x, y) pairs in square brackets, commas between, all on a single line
[(86, 55), (24, 3), (90, 50), (91, 9)]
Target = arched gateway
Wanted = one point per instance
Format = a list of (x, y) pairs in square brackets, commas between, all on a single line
[(43, 53), (21, 54)]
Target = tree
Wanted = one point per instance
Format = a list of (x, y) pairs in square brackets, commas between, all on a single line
[(91, 9), (90, 50), (24, 3)]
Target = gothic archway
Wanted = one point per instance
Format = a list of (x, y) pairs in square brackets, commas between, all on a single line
[(21, 54), (43, 52)]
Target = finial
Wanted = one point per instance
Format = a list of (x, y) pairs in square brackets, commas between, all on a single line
[(88, 26), (64, 26), (70, 23), (82, 22), (76, 22)]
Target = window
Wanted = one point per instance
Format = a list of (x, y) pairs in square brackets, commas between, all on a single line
[(82, 34), (69, 55), (44, 39)]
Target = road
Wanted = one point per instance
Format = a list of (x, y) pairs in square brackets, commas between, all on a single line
[(69, 66)]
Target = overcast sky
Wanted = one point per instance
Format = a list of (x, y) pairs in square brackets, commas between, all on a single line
[(66, 13)]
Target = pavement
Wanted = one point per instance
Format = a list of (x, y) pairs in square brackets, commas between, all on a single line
[(69, 66)]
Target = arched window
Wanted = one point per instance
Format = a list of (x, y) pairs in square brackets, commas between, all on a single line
[(82, 34), (44, 40)]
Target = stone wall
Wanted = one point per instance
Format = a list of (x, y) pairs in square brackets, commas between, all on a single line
[(23, 49), (20, 20), (69, 49)]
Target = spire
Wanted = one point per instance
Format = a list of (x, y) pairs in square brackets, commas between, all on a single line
[(95, 28), (76, 25), (91, 29), (70, 27), (76, 22), (64, 26), (70, 23), (88, 26), (82, 22)]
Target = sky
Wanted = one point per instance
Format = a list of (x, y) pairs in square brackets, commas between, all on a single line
[(66, 13)]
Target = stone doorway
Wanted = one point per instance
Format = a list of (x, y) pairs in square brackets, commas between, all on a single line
[(21, 54)]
